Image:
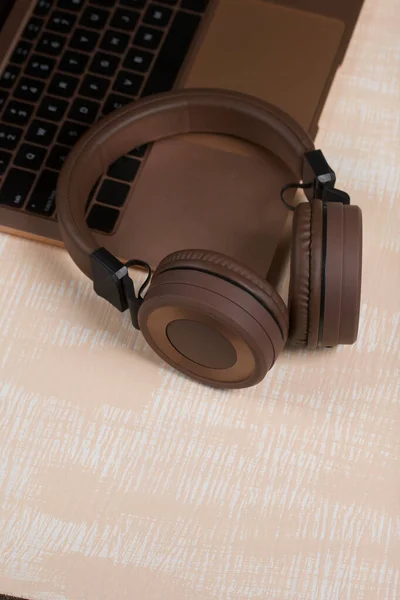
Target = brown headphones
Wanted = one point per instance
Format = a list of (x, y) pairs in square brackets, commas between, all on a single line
[(204, 313)]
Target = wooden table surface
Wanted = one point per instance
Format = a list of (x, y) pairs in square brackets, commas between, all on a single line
[(121, 479)]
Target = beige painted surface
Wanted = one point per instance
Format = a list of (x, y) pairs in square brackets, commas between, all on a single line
[(121, 479)]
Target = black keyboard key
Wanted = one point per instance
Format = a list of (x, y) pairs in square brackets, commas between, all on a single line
[(84, 110), (21, 52), (61, 21), (157, 15), (195, 5), (172, 53), (128, 83), (125, 19), (147, 37), (18, 113), (9, 76), (73, 62), (63, 85), (70, 133), (42, 8), (41, 132), (16, 187), (9, 136), (114, 41), (33, 28), (139, 151), (113, 102), (51, 43), (84, 40), (107, 3), (124, 169), (138, 60), (40, 66), (57, 157), (29, 89), (3, 98), (43, 198), (104, 64), (94, 17), (94, 87), (133, 3), (70, 4), (30, 157), (102, 218), (112, 192), (52, 109), (5, 158)]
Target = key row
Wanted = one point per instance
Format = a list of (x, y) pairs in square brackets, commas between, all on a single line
[(86, 41), (31, 90), (43, 7), (41, 67), (95, 18)]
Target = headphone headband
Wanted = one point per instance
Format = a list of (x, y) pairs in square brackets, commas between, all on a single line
[(162, 116), (204, 313)]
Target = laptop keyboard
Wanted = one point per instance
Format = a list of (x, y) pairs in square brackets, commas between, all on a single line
[(77, 61)]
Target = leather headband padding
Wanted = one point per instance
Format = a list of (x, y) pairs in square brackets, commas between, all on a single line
[(163, 116)]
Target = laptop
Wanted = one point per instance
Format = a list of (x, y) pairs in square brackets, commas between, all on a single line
[(66, 63)]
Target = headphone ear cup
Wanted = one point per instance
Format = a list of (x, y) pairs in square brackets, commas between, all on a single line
[(342, 266), (325, 278), (213, 319), (226, 267)]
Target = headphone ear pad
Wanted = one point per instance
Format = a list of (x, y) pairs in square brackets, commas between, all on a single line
[(213, 319), (305, 275)]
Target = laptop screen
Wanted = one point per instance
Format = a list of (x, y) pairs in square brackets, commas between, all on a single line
[(5, 8)]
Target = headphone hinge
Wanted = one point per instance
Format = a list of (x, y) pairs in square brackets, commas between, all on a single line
[(109, 275), (335, 195), (111, 281), (317, 171)]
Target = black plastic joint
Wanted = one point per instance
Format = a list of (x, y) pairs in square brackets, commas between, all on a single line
[(335, 195), (317, 171), (110, 278)]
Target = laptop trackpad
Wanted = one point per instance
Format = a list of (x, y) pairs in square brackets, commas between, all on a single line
[(279, 54)]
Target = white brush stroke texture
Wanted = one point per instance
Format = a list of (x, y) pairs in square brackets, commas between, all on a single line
[(121, 479)]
